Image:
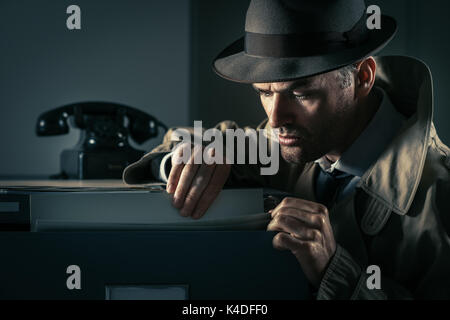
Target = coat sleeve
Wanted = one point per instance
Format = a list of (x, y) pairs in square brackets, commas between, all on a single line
[(345, 279), (426, 275), (242, 175)]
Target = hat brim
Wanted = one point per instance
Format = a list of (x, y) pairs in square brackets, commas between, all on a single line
[(235, 65)]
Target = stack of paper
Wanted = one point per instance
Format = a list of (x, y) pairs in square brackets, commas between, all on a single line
[(112, 205), (143, 210)]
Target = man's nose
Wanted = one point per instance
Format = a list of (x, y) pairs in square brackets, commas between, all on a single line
[(280, 113)]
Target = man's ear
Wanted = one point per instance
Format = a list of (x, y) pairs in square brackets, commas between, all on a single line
[(365, 77)]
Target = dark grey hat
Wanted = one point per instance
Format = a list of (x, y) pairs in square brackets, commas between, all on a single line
[(291, 39)]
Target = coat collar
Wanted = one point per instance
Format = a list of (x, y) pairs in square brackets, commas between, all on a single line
[(393, 179)]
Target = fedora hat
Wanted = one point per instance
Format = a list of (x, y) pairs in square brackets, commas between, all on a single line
[(290, 39)]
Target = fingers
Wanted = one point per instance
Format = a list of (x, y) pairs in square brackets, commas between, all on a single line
[(186, 177), (294, 227), (306, 221), (215, 185), (195, 186), (305, 230), (174, 177), (312, 220), (302, 204), (284, 241), (180, 153), (195, 191), (313, 214)]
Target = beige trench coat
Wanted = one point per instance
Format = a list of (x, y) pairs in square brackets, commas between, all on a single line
[(399, 216)]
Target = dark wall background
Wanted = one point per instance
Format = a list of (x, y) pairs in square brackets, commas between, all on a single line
[(132, 52), (423, 32), (156, 56), (216, 24)]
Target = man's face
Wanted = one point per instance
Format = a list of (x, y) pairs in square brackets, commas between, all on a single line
[(314, 115)]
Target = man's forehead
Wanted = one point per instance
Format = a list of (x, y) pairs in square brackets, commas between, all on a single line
[(288, 85)]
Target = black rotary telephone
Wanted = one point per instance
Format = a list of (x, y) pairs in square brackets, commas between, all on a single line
[(103, 150)]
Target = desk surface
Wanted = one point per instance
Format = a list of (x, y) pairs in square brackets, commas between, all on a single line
[(85, 185)]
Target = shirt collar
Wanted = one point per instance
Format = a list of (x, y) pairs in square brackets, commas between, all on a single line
[(375, 138)]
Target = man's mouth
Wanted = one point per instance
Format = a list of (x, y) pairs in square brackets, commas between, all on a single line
[(289, 141)]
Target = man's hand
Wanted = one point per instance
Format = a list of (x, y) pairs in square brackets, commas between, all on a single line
[(306, 231), (195, 186)]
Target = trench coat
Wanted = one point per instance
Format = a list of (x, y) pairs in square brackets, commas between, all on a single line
[(398, 217)]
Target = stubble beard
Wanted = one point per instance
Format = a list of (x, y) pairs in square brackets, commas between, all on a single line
[(332, 133), (300, 154)]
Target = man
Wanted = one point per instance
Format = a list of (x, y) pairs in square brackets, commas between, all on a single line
[(359, 151)]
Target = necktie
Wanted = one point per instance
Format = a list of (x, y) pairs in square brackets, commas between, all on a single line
[(329, 185)]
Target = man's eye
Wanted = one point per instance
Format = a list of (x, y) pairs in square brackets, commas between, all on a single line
[(301, 97), (265, 93)]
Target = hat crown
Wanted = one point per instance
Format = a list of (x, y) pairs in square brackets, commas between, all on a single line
[(291, 39), (303, 16)]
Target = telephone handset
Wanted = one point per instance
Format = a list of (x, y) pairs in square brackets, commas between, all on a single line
[(103, 150)]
